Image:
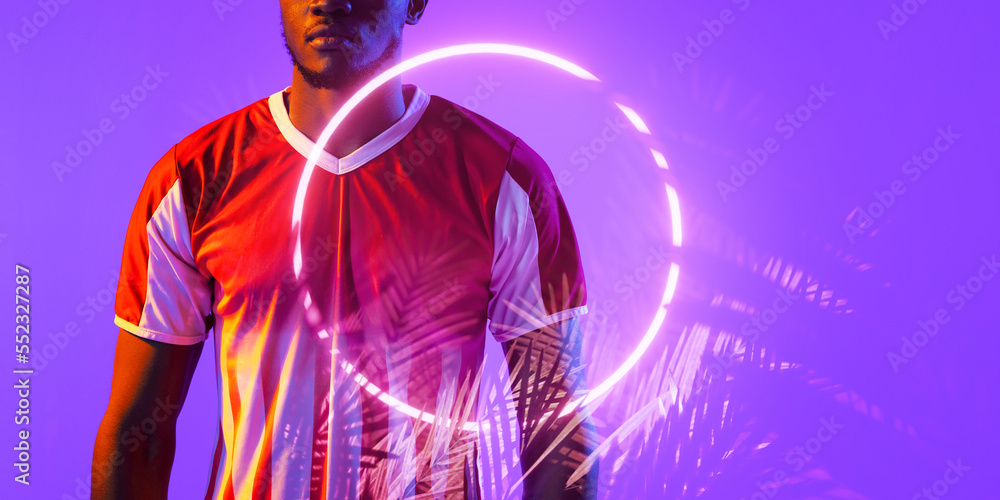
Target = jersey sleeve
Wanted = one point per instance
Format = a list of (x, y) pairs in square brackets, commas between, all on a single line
[(161, 294), (537, 276)]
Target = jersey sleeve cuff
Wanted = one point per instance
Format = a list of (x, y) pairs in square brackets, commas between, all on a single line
[(512, 333), (166, 338)]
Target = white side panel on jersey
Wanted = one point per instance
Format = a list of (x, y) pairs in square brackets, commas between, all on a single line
[(178, 297), (516, 305)]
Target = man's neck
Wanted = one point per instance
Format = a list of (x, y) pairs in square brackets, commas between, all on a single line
[(311, 109)]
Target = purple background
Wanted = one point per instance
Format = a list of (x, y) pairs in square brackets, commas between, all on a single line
[(733, 427)]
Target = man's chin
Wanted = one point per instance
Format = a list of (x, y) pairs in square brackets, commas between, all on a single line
[(332, 78)]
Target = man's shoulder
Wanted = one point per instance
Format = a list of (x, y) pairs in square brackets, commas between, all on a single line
[(485, 137), (226, 133), (466, 125)]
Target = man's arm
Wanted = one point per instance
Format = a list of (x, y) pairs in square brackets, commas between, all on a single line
[(150, 381), (546, 375)]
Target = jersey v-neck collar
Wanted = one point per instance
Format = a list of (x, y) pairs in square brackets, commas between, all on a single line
[(380, 144)]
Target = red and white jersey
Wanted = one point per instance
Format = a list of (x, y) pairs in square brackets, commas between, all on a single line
[(409, 245)]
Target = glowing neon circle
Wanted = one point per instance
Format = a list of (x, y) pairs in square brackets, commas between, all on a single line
[(486, 48)]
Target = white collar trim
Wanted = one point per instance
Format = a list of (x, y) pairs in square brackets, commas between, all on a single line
[(380, 144)]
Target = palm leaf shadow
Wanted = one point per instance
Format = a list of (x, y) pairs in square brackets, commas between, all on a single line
[(719, 413)]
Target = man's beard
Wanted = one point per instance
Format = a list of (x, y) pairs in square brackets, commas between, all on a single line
[(350, 77)]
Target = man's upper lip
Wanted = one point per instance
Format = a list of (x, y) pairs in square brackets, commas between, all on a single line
[(328, 31)]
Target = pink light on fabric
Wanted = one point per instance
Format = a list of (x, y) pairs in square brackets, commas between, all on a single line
[(313, 316)]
